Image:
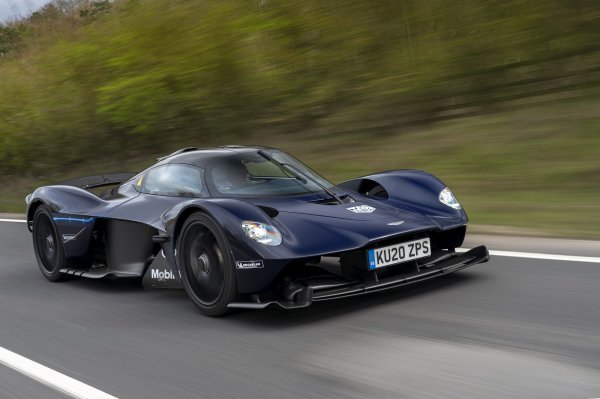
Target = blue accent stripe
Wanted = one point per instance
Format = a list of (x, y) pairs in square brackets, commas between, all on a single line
[(70, 219), (371, 253)]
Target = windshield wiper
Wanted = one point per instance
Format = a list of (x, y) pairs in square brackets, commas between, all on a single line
[(299, 174)]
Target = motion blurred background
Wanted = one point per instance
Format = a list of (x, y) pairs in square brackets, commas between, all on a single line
[(501, 99)]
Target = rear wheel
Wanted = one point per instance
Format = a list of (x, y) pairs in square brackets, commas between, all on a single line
[(206, 265), (48, 247)]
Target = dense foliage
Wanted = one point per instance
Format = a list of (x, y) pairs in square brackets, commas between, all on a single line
[(104, 78)]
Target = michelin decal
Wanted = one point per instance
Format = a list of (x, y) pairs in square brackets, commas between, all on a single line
[(249, 264)]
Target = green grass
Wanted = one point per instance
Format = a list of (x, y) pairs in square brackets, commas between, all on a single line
[(536, 167)]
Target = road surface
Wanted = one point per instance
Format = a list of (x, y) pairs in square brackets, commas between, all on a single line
[(510, 328)]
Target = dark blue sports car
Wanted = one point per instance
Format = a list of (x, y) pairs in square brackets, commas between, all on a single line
[(249, 227)]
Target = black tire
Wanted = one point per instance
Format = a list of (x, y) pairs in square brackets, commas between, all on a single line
[(206, 264), (48, 247)]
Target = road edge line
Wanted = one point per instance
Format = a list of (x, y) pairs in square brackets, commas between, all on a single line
[(537, 255), (49, 377)]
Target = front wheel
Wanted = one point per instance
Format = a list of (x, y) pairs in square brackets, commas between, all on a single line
[(48, 248), (206, 265)]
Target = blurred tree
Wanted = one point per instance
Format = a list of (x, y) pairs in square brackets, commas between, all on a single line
[(68, 6), (95, 8), (47, 12), (9, 39)]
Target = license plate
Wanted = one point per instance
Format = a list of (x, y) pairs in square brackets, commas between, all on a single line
[(398, 253)]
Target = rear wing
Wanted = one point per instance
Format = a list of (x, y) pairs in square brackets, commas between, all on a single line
[(90, 182)]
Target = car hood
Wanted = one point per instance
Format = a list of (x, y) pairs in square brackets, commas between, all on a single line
[(363, 209), (317, 227)]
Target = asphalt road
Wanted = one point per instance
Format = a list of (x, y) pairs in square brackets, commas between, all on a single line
[(511, 328)]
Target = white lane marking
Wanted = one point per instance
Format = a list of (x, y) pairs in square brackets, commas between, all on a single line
[(511, 254), (49, 377), (534, 255)]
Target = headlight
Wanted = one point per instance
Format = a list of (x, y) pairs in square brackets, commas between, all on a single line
[(447, 198), (263, 233)]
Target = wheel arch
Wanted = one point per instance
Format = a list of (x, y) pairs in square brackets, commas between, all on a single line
[(228, 215), (33, 206), (415, 190), (183, 216)]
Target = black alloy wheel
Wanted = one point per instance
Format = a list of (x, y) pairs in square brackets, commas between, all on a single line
[(48, 247), (206, 265)]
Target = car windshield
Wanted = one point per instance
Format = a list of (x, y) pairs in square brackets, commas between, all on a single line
[(263, 173)]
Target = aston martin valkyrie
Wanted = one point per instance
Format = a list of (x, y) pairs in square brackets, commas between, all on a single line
[(250, 227)]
